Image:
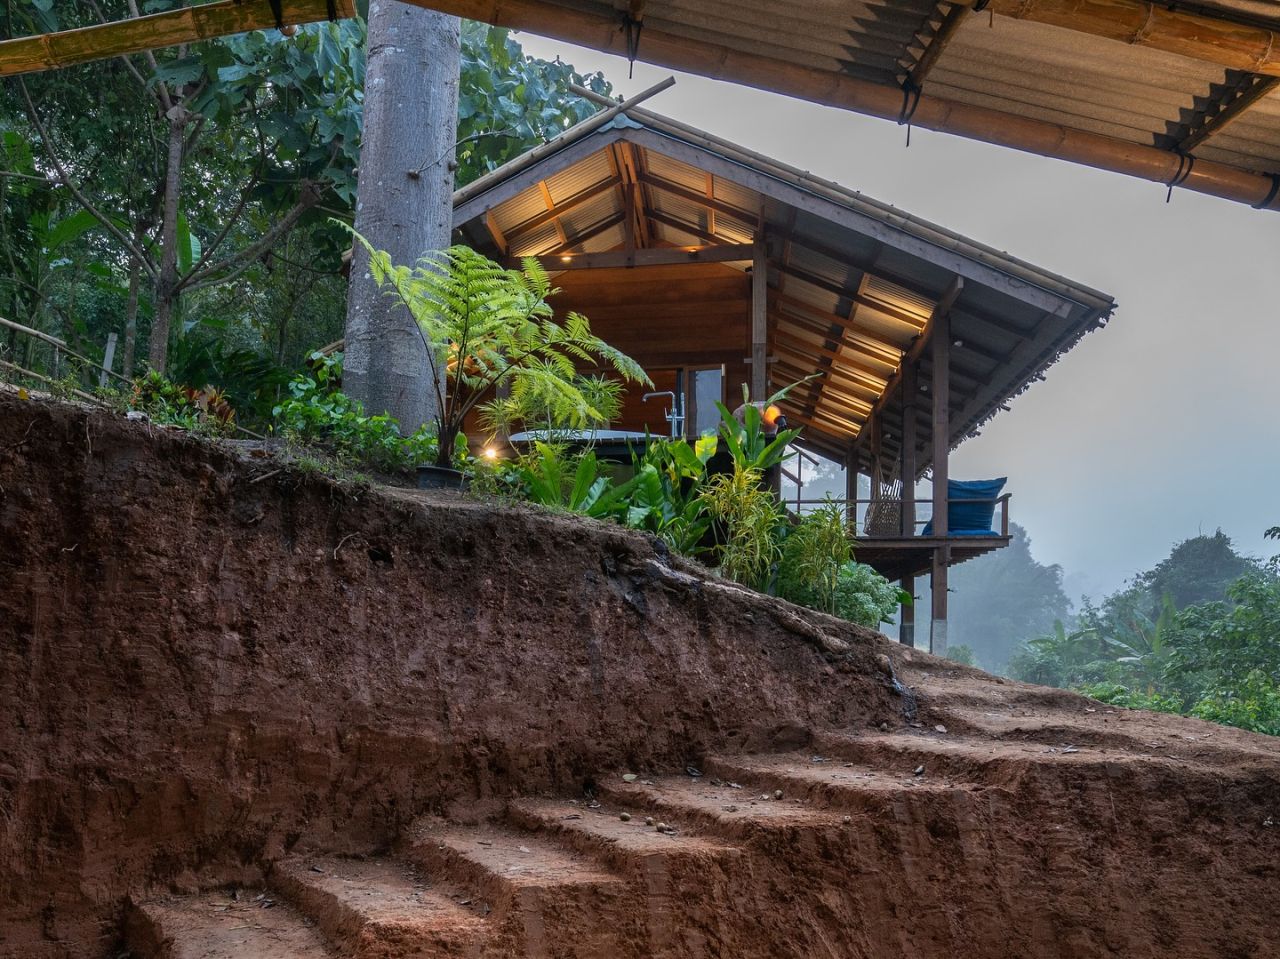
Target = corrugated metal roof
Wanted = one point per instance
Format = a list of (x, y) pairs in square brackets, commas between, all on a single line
[(852, 282), (1116, 73)]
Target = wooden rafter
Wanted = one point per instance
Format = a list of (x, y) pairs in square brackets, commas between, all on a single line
[(499, 240), (552, 213), (857, 296), (1222, 39), (589, 234), (1232, 104), (938, 40), (661, 256), (556, 210), (692, 196), (798, 343), (799, 310), (658, 217)]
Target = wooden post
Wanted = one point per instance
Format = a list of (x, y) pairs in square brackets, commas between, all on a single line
[(629, 225), (759, 317), (907, 621), (108, 357), (851, 487), (908, 467), (877, 457), (941, 389)]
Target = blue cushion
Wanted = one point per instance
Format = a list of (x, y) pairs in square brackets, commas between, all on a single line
[(970, 519)]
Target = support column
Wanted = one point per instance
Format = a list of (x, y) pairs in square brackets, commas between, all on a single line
[(759, 318), (941, 389), (907, 619), (908, 466), (851, 488)]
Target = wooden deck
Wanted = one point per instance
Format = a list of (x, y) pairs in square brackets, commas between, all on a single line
[(896, 557)]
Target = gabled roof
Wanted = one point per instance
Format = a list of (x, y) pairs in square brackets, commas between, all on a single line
[(852, 282)]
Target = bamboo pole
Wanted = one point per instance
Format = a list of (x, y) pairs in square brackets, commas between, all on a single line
[(50, 51), (1216, 39), (575, 132), (61, 345)]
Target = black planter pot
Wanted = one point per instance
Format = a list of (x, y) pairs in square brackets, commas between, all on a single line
[(439, 477)]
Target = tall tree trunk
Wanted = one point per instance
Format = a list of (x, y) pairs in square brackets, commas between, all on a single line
[(131, 310), (167, 280), (404, 203)]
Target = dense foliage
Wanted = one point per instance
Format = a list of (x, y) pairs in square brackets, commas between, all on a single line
[(196, 188), (1197, 634), (486, 328)]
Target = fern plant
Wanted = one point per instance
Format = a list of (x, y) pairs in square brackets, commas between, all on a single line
[(486, 325)]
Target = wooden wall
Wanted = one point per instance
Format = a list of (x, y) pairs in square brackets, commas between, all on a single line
[(687, 315)]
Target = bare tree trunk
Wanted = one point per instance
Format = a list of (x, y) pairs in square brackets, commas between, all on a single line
[(131, 313), (405, 200), (167, 280)]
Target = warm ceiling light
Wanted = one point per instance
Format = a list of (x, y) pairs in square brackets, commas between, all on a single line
[(566, 259)]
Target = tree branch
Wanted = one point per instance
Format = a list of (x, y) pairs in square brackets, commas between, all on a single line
[(83, 200), (237, 263)]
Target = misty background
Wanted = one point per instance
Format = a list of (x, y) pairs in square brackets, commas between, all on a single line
[(1156, 429)]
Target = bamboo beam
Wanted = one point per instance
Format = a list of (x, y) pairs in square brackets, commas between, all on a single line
[(50, 51), (874, 99), (575, 132), (1212, 39)]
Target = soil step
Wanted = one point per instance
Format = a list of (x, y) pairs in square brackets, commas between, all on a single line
[(216, 926), (622, 844), (379, 908), (734, 811), (830, 783), (545, 899)]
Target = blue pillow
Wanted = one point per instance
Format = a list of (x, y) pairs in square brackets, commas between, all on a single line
[(970, 519)]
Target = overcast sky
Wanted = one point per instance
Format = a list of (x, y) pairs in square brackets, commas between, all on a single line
[(1158, 427)]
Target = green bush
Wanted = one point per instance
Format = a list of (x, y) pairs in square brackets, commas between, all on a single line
[(1118, 694), (813, 555), (1253, 705), (318, 414), (865, 597)]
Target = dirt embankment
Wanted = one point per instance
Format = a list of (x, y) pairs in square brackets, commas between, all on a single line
[(207, 663)]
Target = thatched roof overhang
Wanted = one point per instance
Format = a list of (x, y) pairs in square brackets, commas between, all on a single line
[(851, 282)]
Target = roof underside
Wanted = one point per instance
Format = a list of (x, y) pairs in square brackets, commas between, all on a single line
[(851, 283), (1124, 90)]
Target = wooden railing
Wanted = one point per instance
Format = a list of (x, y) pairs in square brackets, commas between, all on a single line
[(917, 522)]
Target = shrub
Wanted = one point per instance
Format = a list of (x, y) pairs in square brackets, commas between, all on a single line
[(318, 414), (171, 404), (750, 516), (865, 597), (1253, 705), (813, 554)]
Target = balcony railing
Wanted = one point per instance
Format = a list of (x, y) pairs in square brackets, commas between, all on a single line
[(891, 526)]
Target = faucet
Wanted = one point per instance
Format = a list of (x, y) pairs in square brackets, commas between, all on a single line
[(674, 416)]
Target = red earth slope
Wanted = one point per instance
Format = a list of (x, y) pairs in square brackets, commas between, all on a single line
[(249, 712)]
